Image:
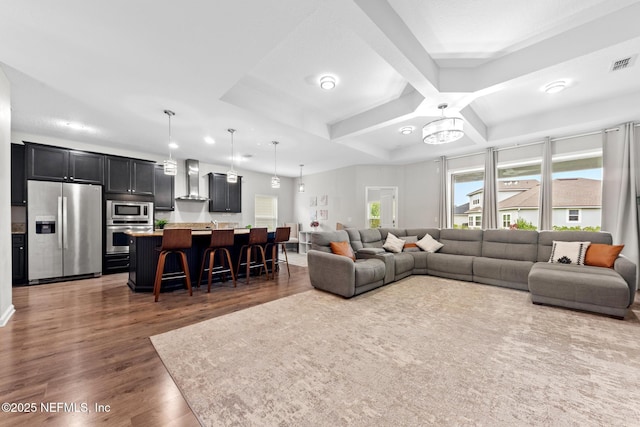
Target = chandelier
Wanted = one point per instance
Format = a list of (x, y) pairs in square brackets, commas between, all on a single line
[(170, 166), (275, 181), (232, 175), (301, 184), (442, 130)]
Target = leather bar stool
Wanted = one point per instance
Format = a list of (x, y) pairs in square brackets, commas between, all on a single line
[(221, 240), (174, 240), (257, 240), (280, 241)]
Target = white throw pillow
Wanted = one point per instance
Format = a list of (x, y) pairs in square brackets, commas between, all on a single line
[(393, 244), (568, 252), (429, 244)]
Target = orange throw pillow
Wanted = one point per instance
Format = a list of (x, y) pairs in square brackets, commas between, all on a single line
[(600, 255), (342, 248)]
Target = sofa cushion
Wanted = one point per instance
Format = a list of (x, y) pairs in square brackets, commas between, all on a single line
[(429, 244), (419, 262), (458, 267), (579, 283), (404, 263), (371, 238), (393, 244), (599, 255), (320, 241), (421, 232), (398, 232), (502, 272), (568, 252), (546, 238), (354, 238), (519, 245), (369, 271), (410, 244), (461, 242), (342, 248)]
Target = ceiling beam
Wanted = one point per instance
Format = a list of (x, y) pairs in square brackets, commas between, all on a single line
[(378, 117), (607, 31)]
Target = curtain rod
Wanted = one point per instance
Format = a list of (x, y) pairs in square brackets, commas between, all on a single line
[(511, 147)]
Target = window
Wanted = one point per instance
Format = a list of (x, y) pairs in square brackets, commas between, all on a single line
[(373, 219), (573, 215), (518, 187), (266, 211), (465, 187), (577, 191), (475, 221), (506, 220)]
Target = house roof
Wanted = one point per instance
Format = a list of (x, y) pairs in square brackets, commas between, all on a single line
[(511, 185), (457, 210), (567, 192)]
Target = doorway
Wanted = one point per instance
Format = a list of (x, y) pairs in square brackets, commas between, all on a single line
[(382, 207)]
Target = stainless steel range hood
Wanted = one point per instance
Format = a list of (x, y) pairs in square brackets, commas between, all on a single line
[(192, 170)]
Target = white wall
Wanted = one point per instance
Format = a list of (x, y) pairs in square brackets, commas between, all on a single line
[(6, 305), (418, 193), (186, 211)]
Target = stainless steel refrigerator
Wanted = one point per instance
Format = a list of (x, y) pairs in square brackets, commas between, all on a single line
[(64, 229)]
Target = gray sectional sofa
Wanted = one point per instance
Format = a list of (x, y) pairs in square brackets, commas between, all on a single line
[(515, 259)]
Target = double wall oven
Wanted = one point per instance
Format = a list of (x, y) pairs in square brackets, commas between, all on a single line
[(122, 216)]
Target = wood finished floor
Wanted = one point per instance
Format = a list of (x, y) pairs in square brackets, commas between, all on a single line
[(88, 341)]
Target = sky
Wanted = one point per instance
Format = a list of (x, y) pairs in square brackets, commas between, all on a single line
[(462, 189)]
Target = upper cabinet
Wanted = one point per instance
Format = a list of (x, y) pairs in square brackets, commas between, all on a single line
[(224, 197), (130, 176), (18, 187), (47, 163), (164, 199)]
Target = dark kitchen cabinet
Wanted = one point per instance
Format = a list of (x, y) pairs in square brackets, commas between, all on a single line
[(18, 187), (164, 199), (224, 196), (130, 176), (18, 264), (86, 168), (47, 163)]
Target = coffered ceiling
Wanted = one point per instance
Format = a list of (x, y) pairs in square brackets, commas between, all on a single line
[(103, 72)]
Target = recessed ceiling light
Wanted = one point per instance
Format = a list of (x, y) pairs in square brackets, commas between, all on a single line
[(406, 130), (209, 140), (555, 87), (327, 82), (173, 145)]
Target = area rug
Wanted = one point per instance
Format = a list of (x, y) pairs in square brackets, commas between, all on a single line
[(422, 351)]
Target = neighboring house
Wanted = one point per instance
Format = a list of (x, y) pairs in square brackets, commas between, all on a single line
[(576, 202), (460, 217)]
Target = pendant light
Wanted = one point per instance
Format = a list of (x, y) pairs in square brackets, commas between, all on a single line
[(232, 175), (301, 184), (170, 165), (275, 181), (442, 130)]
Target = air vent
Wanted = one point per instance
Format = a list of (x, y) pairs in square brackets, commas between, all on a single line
[(623, 63)]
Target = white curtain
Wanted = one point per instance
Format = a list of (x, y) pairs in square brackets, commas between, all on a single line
[(443, 202), (490, 194), (620, 189), (545, 211)]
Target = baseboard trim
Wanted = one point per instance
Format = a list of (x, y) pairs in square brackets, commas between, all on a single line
[(4, 319)]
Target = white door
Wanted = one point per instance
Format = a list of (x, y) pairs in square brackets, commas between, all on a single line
[(382, 207)]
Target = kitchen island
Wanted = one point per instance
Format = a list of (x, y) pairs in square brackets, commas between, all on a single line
[(143, 258)]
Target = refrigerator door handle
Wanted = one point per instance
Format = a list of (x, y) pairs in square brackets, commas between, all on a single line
[(65, 237), (59, 222)]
